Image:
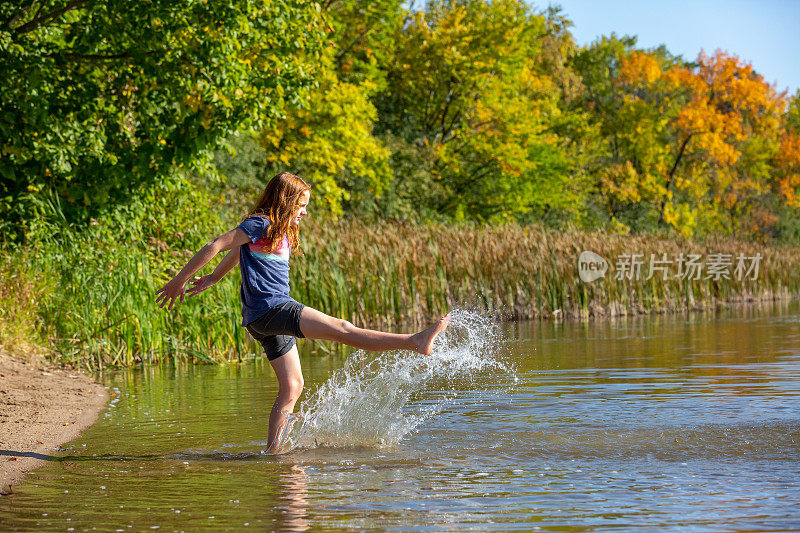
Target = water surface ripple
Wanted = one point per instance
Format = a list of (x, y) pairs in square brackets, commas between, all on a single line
[(655, 423)]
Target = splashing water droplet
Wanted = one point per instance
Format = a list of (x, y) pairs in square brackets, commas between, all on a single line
[(367, 402)]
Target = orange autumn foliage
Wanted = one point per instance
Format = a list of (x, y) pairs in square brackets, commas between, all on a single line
[(727, 102), (787, 162), (639, 67), (726, 127)]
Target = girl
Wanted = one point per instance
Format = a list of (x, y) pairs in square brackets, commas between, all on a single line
[(261, 245)]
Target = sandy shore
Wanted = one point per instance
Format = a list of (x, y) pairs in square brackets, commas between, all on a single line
[(41, 407)]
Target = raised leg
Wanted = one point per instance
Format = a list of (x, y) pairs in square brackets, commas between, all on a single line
[(290, 387), (317, 325)]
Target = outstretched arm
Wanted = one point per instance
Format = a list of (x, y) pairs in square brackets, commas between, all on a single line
[(199, 284), (175, 288)]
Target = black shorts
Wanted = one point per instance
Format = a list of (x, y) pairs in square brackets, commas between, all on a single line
[(277, 328)]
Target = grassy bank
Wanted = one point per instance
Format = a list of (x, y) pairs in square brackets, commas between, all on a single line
[(92, 302)]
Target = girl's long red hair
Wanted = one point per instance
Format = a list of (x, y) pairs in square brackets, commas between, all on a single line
[(278, 204)]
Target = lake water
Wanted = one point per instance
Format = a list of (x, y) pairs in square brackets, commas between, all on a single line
[(687, 423)]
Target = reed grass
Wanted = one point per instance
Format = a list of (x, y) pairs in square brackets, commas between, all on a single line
[(392, 273), (22, 326), (91, 301)]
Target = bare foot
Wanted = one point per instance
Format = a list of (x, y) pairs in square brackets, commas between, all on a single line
[(424, 339)]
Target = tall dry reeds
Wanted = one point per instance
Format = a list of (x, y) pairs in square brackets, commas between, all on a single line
[(402, 272)]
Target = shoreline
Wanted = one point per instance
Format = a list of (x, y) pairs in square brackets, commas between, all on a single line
[(599, 313), (639, 311), (42, 406)]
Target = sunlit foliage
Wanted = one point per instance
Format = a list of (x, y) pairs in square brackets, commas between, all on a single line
[(99, 98)]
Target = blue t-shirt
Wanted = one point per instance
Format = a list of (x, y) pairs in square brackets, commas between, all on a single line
[(265, 272)]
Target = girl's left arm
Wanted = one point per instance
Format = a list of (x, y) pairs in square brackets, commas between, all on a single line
[(174, 289), (205, 282)]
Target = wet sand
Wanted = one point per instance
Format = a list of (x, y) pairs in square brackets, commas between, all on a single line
[(41, 407)]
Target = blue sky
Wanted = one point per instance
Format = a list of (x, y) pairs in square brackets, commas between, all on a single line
[(765, 33)]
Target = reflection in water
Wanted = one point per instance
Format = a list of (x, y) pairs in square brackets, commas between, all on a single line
[(293, 499), (643, 423)]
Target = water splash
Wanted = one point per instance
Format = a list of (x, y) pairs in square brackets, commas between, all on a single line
[(368, 402)]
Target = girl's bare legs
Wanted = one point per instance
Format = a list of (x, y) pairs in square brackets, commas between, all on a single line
[(317, 325), (290, 386)]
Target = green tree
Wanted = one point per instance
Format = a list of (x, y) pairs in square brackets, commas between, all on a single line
[(362, 33), (330, 144), (467, 92), (630, 112), (330, 141), (100, 97)]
